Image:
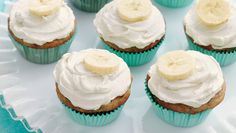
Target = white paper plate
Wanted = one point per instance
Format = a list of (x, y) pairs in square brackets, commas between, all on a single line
[(28, 89)]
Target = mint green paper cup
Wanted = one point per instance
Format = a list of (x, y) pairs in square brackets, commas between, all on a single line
[(90, 5), (174, 3), (224, 58), (1, 5), (42, 56), (175, 118), (99, 119), (135, 58)]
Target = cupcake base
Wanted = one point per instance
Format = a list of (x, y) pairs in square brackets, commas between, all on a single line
[(96, 119), (174, 3), (90, 5), (135, 58), (223, 57), (176, 118), (100, 117), (42, 56)]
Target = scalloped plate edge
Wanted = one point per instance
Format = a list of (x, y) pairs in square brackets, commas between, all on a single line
[(9, 108), (16, 118)]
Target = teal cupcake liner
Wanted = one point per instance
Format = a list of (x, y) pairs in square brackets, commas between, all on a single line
[(42, 56), (90, 5), (1, 5), (174, 3), (136, 58), (223, 57), (99, 119), (176, 118)]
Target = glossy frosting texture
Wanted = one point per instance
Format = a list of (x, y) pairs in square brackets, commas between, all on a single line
[(129, 34), (205, 82), (88, 90), (40, 30), (219, 37)]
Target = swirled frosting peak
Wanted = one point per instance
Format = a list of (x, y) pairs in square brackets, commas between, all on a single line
[(39, 30), (204, 83), (86, 89)]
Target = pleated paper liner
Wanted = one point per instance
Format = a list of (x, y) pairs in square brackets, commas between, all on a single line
[(90, 5), (42, 56), (99, 119), (176, 118), (223, 57), (174, 3), (135, 58)]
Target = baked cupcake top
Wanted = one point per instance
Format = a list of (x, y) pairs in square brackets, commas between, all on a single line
[(216, 28), (92, 78), (40, 22), (185, 77), (128, 23)]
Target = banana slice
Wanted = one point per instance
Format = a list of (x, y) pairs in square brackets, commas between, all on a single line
[(213, 12), (176, 65), (44, 7), (134, 10), (101, 62)]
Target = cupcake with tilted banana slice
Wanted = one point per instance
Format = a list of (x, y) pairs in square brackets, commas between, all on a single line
[(132, 29), (210, 28), (42, 30), (184, 86), (93, 85), (174, 3)]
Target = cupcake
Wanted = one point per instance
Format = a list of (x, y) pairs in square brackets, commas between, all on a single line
[(133, 30), (184, 86), (93, 85), (42, 31), (174, 3), (90, 5), (210, 28)]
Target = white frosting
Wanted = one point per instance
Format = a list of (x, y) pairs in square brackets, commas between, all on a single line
[(88, 90), (129, 34), (40, 30), (220, 37), (196, 90)]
